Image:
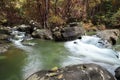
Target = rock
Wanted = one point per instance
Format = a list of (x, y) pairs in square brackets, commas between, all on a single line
[(4, 37), (3, 48), (42, 34), (75, 72), (35, 24), (117, 73), (111, 35), (28, 43), (4, 34), (5, 30), (25, 28), (68, 33)]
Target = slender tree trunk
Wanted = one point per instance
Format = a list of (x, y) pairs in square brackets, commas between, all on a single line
[(85, 9), (47, 2), (56, 7)]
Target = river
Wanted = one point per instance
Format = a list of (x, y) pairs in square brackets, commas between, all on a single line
[(20, 61)]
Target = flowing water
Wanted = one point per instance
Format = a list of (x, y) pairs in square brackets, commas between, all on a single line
[(23, 60)]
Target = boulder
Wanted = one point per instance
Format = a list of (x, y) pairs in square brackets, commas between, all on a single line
[(75, 72), (68, 33), (4, 34), (5, 30), (25, 28), (110, 35), (117, 73), (42, 34)]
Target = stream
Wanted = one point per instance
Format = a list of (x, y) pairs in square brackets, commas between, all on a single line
[(20, 61)]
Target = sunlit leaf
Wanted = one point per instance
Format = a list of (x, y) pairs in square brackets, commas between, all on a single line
[(54, 69)]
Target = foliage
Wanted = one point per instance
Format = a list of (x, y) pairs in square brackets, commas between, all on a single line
[(58, 12), (56, 20), (10, 11), (105, 13), (115, 20), (2, 18)]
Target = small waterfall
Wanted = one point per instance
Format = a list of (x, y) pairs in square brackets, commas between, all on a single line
[(32, 60), (92, 49), (17, 37)]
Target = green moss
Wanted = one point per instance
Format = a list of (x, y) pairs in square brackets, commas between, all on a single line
[(91, 33)]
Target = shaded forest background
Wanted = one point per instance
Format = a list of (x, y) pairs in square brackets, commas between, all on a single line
[(51, 13)]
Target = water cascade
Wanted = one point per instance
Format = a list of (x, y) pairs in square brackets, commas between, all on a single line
[(32, 60), (92, 49)]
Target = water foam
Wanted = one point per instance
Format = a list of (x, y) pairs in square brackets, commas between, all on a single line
[(33, 64), (91, 49)]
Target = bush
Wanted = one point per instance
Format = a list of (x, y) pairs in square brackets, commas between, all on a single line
[(56, 20)]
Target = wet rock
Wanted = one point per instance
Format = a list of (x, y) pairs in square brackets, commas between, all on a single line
[(75, 72), (42, 34), (68, 33), (111, 35), (117, 73)]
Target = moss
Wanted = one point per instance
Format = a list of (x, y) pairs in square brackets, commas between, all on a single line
[(91, 33)]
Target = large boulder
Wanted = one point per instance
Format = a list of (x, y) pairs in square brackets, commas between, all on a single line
[(68, 33), (75, 72), (42, 34), (111, 35)]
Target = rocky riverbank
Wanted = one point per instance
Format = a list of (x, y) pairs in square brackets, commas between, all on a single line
[(71, 32), (4, 39)]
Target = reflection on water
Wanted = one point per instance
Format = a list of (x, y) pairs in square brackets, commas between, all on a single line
[(11, 66), (21, 61)]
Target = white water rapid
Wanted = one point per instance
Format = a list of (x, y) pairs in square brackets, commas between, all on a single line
[(32, 60), (92, 49)]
